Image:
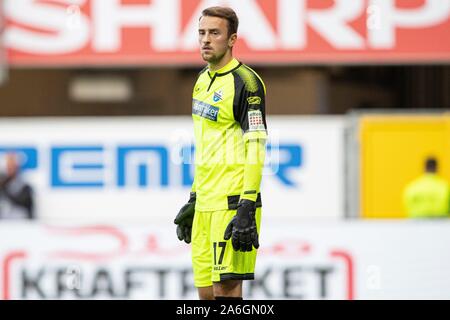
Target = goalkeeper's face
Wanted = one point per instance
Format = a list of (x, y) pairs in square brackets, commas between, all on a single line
[(214, 39)]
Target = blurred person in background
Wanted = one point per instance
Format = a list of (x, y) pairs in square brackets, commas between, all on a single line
[(16, 196), (222, 216), (429, 195)]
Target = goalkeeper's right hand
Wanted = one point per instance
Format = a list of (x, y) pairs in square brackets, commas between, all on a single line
[(184, 219)]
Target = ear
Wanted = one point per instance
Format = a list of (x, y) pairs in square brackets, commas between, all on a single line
[(232, 40)]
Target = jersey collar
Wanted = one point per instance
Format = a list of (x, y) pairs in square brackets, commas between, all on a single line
[(229, 67)]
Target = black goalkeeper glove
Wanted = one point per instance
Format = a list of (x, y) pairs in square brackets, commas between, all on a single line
[(242, 228), (184, 219)]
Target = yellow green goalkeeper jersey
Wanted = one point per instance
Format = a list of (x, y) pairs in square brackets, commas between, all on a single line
[(228, 110)]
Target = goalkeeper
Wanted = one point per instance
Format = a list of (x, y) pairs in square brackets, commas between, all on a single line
[(222, 216)]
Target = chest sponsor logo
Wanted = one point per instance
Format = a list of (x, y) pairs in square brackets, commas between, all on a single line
[(205, 110), (218, 95)]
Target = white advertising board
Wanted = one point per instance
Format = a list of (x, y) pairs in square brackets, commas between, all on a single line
[(130, 169), (339, 260)]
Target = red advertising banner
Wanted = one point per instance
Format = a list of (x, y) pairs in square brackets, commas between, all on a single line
[(164, 32), (2, 47)]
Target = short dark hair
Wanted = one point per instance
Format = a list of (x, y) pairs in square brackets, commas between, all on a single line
[(224, 13), (431, 164)]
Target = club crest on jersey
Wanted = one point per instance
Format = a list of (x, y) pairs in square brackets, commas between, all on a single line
[(218, 95)]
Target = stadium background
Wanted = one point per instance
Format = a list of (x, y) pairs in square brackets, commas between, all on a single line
[(95, 97)]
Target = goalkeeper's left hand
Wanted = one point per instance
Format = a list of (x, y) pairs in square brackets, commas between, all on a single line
[(242, 228)]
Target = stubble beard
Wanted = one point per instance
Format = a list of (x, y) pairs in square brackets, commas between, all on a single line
[(213, 58)]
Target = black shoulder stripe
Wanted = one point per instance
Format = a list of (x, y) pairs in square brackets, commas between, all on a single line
[(249, 78), (238, 86)]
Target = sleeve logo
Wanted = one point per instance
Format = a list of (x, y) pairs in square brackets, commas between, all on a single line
[(254, 100), (255, 121)]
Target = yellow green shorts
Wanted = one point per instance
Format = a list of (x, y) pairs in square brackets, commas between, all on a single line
[(213, 258)]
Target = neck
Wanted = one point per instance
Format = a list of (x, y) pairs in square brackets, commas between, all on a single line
[(214, 66)]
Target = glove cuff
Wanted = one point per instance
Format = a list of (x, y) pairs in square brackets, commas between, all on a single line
[(248, 204), (192, 197)]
